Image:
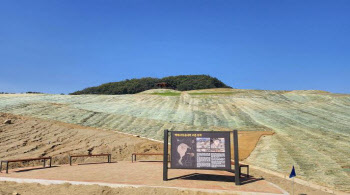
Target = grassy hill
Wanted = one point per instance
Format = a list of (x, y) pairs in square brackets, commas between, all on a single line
[(181, 83), (311, 127)]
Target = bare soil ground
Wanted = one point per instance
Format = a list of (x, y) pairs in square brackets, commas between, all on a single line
[(30, 137), (142, 174), (9, 188)]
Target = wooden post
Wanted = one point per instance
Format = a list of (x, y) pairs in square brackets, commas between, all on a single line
[(7, 167), (237, 169), (165, 156)]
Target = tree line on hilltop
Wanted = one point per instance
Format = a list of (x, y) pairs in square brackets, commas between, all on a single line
[(132, 86)]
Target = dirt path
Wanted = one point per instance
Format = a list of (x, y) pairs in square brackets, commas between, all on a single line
[(11, 188), (34, 189), (140, 174)]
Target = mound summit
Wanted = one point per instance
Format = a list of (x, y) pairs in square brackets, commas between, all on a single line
[(181, 83)]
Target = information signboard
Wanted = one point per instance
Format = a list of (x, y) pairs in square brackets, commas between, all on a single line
[(200, 150)]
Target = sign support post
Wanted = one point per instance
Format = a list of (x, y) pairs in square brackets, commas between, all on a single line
[(165, 156), (235, 147)]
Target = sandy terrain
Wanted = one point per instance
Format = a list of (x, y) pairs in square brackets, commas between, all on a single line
[(30, 137), (34, 189), (144, 174), (11, 188)]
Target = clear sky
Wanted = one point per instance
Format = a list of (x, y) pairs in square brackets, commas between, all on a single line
[(66, 45)]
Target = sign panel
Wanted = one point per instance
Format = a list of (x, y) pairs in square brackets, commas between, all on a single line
[(200, 150)]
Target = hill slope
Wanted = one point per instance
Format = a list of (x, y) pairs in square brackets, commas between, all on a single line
[(34, 137), (181, 83), (311, 127)]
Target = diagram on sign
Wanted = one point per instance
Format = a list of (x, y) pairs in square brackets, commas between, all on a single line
[(185, 150)]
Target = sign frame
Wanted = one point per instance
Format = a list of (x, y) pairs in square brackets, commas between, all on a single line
[(235, 147)]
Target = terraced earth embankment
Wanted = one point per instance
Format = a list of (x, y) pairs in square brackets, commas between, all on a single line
[(33, 137), (311, 127)]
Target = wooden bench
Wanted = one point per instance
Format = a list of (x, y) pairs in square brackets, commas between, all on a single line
[(133, 155), (109, 157), (24, 160), (240, 167)]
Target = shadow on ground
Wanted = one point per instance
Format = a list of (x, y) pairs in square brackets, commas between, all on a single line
[(33, 169), (95, 163), (219, 178)]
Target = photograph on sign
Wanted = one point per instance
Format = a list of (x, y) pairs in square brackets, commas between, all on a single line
[(200, 150)]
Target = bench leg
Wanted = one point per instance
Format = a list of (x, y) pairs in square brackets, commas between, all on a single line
[(50, 161), (7, 167), (0, 167), (248, 171), (44, 164), (70, 161), (132, 158)]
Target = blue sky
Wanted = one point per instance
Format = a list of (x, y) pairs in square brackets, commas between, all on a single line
[(62, 46)]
